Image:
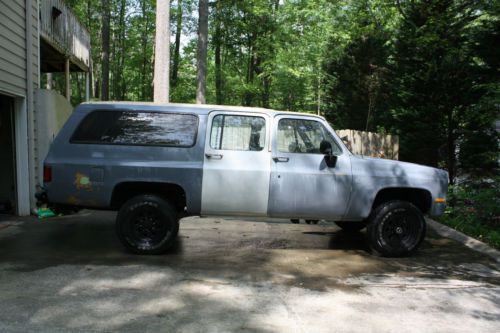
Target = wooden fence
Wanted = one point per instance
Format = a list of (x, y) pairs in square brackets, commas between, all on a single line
[(371, 144)]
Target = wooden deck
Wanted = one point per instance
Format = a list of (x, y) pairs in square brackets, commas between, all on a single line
[(62, 36)]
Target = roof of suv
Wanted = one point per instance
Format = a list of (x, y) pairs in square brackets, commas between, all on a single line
[(195, 108)]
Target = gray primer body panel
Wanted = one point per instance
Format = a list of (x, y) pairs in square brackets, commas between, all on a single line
[(370, 175), (86, 174), (303, 186)]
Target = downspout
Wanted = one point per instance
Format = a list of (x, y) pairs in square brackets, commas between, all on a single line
[(29, 53), (29, 97), (38, 43)]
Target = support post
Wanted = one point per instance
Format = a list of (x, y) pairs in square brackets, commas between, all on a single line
[(67, 82), (87, 86), (49, 81)]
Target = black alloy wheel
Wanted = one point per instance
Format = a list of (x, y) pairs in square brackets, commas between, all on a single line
[(396, 229), (147, 224)]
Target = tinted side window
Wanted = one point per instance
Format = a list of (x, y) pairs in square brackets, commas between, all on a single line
[(231, 132), (303, 136), (137, 128)]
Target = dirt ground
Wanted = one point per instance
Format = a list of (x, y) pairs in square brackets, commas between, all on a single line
[(229, 275)]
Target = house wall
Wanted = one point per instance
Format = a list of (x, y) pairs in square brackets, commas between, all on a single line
[(13, 50), (19, 78), (53, 111)]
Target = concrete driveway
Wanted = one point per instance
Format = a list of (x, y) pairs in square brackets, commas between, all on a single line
[(228, 275)]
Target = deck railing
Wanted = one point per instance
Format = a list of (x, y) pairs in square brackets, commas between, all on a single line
[(60, 28)]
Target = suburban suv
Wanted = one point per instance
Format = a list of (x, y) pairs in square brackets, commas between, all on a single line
[(157, 163)]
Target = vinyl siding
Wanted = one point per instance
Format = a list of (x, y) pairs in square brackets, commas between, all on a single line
[(13, 68), (13, 47)]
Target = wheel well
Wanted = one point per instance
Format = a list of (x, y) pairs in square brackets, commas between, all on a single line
[(171, 192), (419, 197)]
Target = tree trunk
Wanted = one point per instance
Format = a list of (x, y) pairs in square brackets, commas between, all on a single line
[(144, 58), (78, 87), (201, 77), (450, 147), (250, 70), (123, 51), (105, 50), (269, 54), (175, 65), (113, 63), (91, 67), (97, 89), (119, 53), (162, 52), (218, 41)]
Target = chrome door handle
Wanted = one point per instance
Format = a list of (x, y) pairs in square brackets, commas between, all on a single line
[(214, 156), (280, 159)]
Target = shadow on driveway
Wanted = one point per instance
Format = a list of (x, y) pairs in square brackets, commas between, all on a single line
[(233, 275)]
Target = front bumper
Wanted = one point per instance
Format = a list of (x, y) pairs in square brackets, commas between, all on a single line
[(437, 209)]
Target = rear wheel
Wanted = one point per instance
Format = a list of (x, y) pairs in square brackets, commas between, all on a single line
[(396, 229), (147, 224), (351, 226)]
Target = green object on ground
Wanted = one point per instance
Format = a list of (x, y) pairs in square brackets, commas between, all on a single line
[(45, 212)]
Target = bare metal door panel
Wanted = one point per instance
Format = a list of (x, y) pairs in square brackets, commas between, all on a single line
[(236, 165)]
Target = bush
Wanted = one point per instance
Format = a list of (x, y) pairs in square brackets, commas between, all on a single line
[(474, 209)]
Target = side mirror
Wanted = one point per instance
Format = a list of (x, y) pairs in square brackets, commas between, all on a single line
[(325, 148), (331, 161)]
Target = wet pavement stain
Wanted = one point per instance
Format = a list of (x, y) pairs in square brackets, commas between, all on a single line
[(236, 271), (318, 256)]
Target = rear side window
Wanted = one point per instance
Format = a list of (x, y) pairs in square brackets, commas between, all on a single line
[(137, 128)]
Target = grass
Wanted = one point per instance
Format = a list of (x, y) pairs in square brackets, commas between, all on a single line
[(474, 209)]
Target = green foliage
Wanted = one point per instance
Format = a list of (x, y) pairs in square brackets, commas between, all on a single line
[(479, 140), (474, 208), (434, 76), (131, 54), (357, 92), (424, 70)]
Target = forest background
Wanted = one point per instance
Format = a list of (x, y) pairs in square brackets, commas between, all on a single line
[(426, 70)]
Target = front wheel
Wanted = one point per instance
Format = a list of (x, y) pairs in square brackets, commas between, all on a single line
[(396, 229), (147, 224)]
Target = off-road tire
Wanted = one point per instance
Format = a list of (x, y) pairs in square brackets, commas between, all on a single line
[(395, 229), (147, 224)]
